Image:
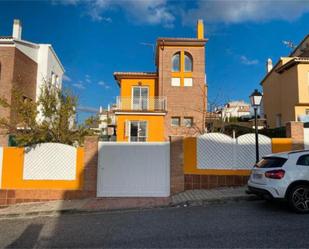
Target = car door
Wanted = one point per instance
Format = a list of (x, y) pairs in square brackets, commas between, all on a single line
[(302, 168)]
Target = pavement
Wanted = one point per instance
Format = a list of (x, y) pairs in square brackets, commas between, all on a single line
[(187, 198), (241, 224)]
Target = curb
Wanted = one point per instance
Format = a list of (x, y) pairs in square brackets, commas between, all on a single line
[(189, 203), (220, 200)]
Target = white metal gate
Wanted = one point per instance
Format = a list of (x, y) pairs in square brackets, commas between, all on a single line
[(133, 169)]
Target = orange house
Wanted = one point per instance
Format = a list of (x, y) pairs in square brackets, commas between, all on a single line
[(171, 101)]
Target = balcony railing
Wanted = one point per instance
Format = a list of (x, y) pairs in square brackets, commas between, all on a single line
[(154, 104)]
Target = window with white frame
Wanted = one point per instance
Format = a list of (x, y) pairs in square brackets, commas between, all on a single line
[(136, 131), (140, 96)]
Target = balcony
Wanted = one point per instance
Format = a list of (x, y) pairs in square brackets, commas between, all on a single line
[(150, 104)]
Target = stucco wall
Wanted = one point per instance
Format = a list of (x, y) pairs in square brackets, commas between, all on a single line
[(280, 96), (155, 126)]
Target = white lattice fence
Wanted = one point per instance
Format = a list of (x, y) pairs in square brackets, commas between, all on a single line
[(50, 161), (245, 154), (306, 138), (215, 151), (219, 151)]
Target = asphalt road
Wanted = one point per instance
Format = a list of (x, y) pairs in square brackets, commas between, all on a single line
[(234, 224)]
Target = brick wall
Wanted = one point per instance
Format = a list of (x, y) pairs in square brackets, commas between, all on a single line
[(214, 181), (91, 164), (183, 101), (7, 55), (295, 130), (176, 164), (17, 71)]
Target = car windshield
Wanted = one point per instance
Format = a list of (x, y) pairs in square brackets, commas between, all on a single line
[(271, 162)]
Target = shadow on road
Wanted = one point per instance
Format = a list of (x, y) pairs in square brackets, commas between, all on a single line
[(29, 237)]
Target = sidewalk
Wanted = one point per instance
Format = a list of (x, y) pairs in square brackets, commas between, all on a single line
[(190, 197)]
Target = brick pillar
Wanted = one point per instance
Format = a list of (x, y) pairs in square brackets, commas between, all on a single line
[(295, 130), (3, 140), (91, 164), (176, 164)]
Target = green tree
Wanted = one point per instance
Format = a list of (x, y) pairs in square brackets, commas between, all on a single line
[(49, 119)]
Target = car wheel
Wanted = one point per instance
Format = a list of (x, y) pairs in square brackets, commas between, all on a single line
[(298, 198)]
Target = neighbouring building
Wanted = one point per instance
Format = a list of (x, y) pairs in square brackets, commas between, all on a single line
[(171, 101), (26, 66), (235, 109), (286, 87), (107, 124)]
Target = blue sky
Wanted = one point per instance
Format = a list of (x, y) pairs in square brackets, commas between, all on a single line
[(95, 38)]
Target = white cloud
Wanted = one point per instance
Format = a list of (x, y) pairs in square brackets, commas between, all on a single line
[(103, 84), (237, 11), (79, 86), (138, 11), (246, 61), (66, 78)]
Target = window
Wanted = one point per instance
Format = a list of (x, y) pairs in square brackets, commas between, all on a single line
[(140, 98), (176, 62), (188, 121), (175, 121), (137, 131), (53, 78), (303, 160), (188, 62), (271, 162), (175, 81)]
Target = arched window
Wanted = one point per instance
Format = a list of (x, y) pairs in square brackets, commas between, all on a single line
[(188, 62), (176, 62)]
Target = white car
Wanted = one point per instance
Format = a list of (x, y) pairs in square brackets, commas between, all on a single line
[(283, 176)]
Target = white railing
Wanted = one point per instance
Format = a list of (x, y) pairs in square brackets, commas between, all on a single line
[(141, 104)]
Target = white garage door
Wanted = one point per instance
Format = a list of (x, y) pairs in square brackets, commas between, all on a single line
[(133, 169)]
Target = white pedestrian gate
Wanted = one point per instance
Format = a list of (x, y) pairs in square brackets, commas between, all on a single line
[(133, 169)]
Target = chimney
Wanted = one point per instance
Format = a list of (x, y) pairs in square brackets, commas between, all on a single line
[(200, 29), (17, 28), (269, 65)]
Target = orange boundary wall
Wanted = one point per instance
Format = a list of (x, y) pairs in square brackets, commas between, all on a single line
[(12, 173), (190, 157)]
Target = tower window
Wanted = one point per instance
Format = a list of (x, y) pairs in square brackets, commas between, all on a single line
[(188, 62), (176, 62)]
